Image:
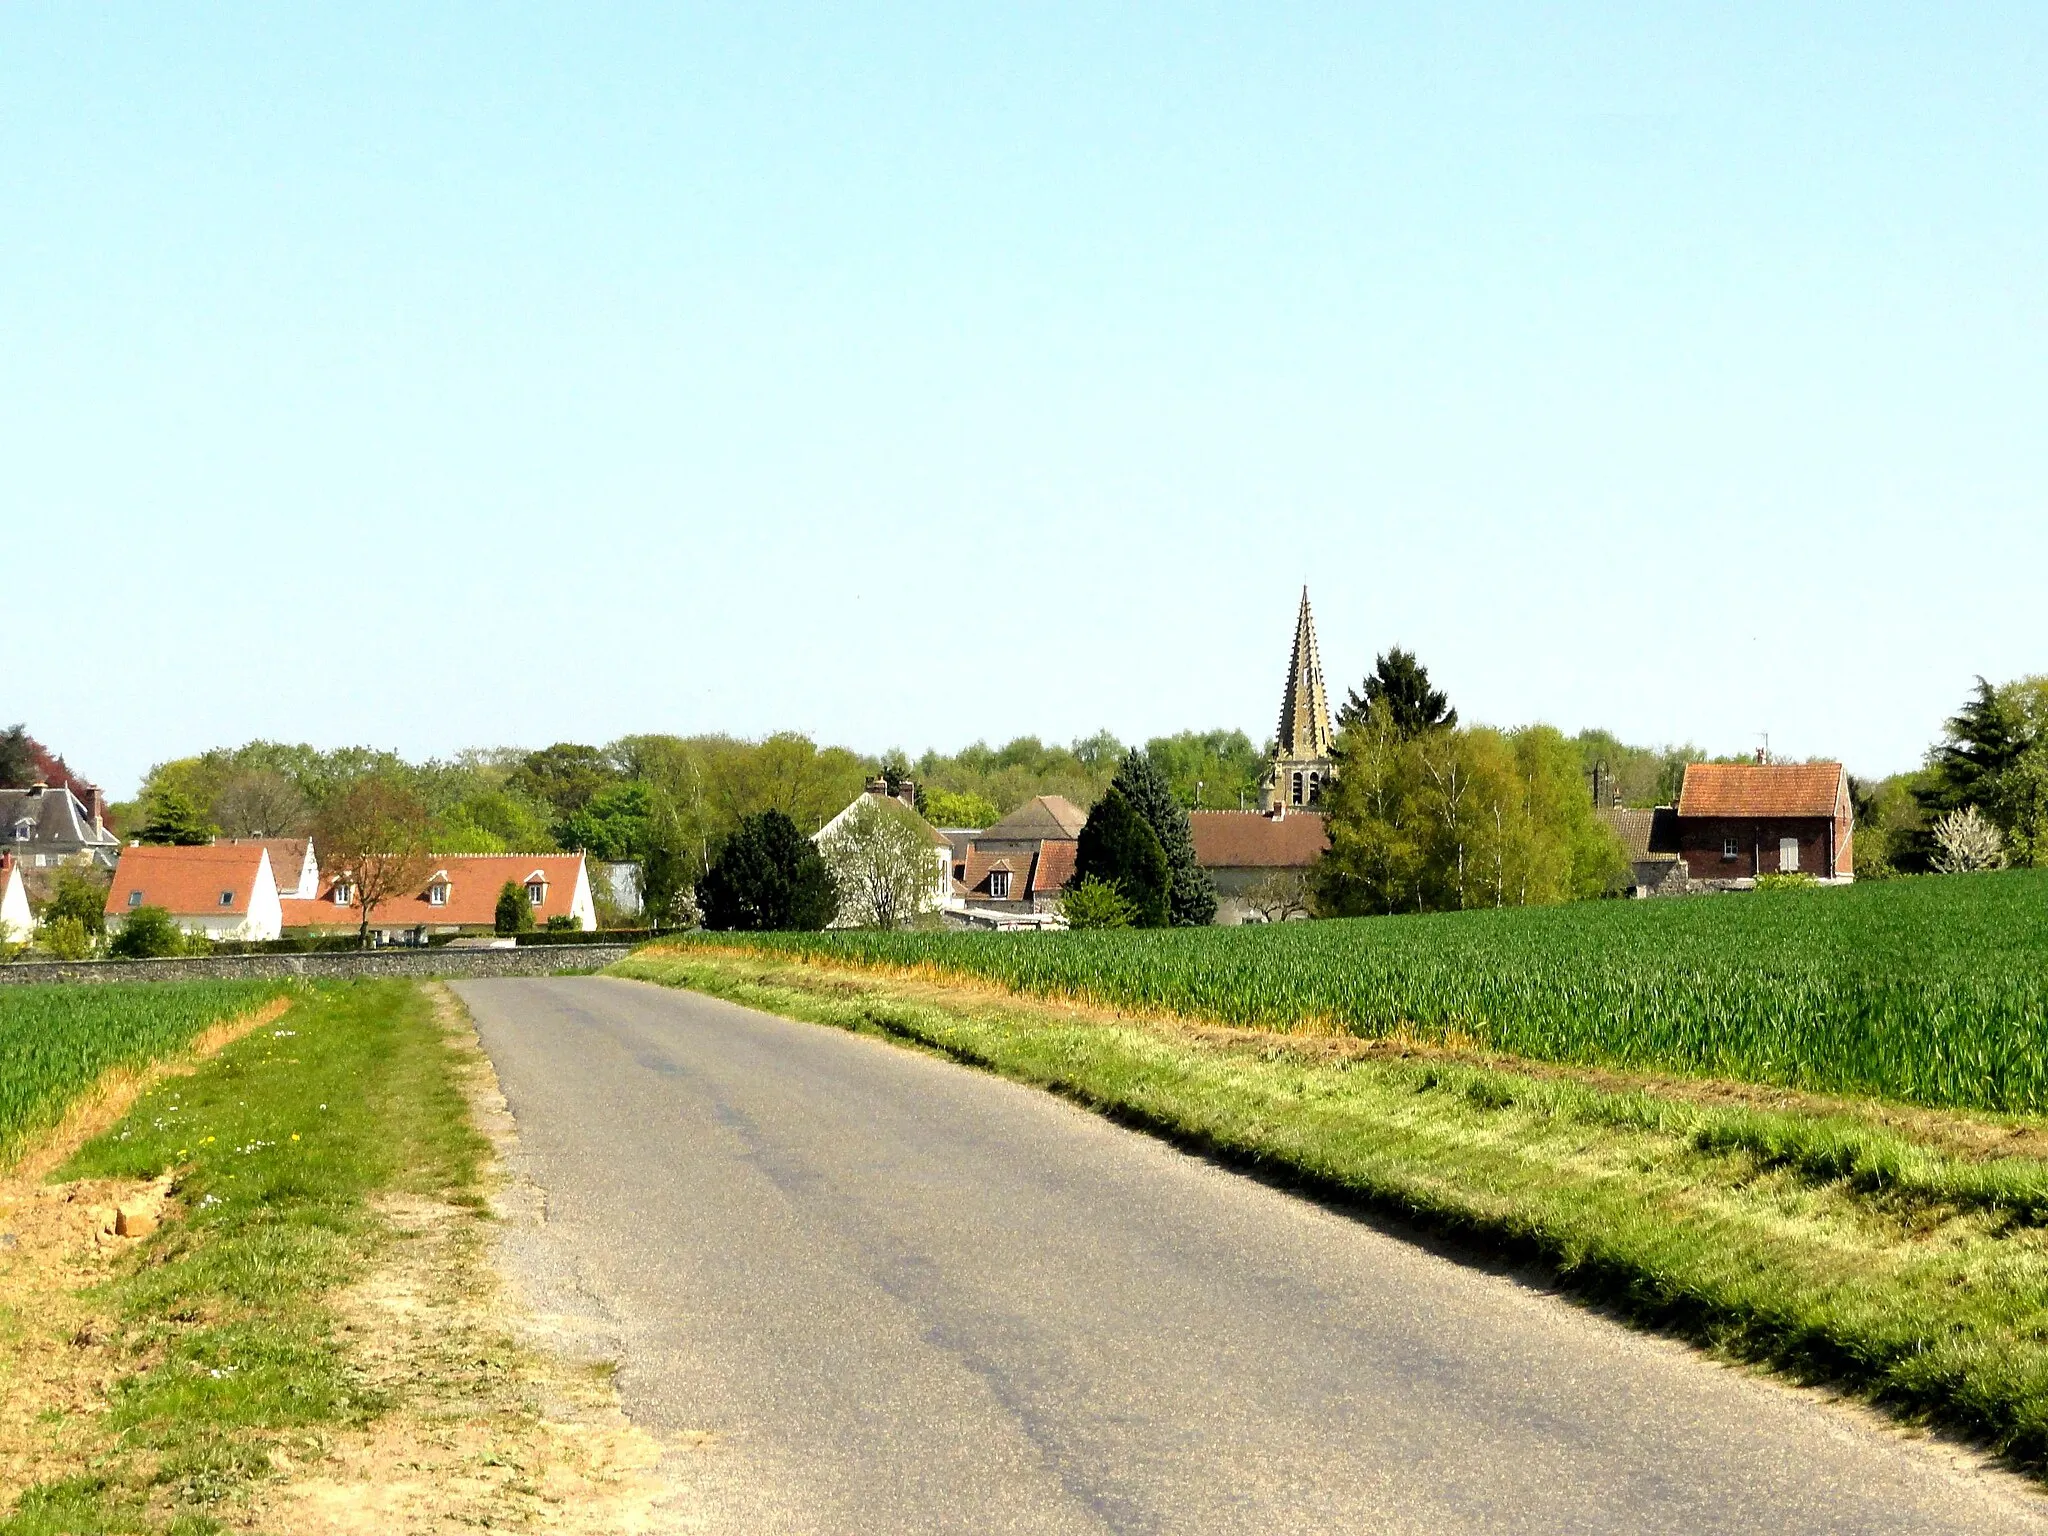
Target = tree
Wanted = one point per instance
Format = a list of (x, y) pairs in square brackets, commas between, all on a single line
[(66, 939), (944, 808), (565, 775), (76, 895), (17, 758), (1093, 903), (1966, 842), (1118, 846), (514, 912), (668, 869), (260, 802), (147, 933), (375, 835), (1222, 767), (1402, 682), (768, 877), (612, 824), (884, 864), (1191, 894), (1278, 896), (173, 818)]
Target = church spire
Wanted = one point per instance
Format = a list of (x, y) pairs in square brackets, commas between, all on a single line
[(1305, 706)]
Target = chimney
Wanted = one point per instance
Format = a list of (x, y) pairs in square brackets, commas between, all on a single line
[(99, 810), (907, 793), (879, 786), (1759, 757)]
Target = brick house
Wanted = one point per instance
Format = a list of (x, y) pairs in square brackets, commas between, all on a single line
[(1020, 866), (1740, 820)]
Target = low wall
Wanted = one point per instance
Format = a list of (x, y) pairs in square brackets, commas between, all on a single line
[(537, 960)]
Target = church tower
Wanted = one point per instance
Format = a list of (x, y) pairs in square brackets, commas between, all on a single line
[(1301, 764)]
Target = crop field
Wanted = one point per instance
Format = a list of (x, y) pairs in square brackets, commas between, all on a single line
[(1933, 991), (56, 1041)]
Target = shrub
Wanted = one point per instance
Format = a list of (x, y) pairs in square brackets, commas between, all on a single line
[(768, 877), (515, 912), (77, 895), (561, 922), (1118, 847), (148, 934), (67, 939), (1786, 880), (1093, 903)]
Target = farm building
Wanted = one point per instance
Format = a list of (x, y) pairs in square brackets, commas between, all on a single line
[(1736, 821), (1021, 865)]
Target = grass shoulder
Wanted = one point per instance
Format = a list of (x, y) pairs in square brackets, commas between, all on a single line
[(1899, 1252)]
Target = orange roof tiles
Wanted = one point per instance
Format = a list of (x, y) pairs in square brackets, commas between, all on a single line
[(1761, 789), (1055, 867), (1254, 840), (185, 881), (473, 883)]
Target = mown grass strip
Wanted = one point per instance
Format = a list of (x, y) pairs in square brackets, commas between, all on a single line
[(1933, 991), (56, 1042), (1835, 1248), (277, 1144)]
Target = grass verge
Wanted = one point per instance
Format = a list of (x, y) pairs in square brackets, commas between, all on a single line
[(217, 1345), (1900, 1254)]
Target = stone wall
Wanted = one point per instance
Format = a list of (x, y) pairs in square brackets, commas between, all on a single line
[(535, 960)]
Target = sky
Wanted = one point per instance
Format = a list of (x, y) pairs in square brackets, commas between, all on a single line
[(432, 377)]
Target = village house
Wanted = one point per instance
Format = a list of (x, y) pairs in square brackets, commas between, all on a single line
[(1014, 873), (292, 863), (1260, 860), (459, 896), (17, 922), (941, 895), (224, 891), (1736, 821), (48, 824), (1649, 838)]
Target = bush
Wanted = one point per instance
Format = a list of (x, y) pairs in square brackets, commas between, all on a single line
[(562, 922), (768, 877), (1093, 903), (67, 939), (148, 934), (1788, 880), (77, 895), (515, 912)]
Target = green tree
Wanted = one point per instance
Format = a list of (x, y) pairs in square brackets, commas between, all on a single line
[(17, 758), (565, 775), (376, 838), (1402, 683), (66, 938), (768, 877), (1093, 903), (944, 808), (260, 802), (1191, 894), (1119, 847), (147, 933), (1223, 767), (514, 912), (668, 866), (76, 895), (173, 818), (613, 823)]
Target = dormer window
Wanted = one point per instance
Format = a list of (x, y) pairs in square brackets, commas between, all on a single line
[(999, 884), (344, 894), (536, 891), (23, 830), (437, 894)]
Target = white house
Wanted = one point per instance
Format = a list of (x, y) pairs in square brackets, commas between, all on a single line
[(16, 921), (941, 896), (458, 895), (225, 891)]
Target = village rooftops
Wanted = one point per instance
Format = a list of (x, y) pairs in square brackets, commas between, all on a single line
[(1761, 789), (1257, 840), (216, 881), (458, 891), (1049, 816)]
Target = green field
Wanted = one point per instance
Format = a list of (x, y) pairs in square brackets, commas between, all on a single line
[(1932, 990), (56, 1041)]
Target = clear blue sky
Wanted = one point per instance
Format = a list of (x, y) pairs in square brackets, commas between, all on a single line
[(444, 376)]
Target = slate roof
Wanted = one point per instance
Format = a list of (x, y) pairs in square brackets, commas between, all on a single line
[(474, 880), (1254, 840), (1761, 789), (186, 882), (58, 821)]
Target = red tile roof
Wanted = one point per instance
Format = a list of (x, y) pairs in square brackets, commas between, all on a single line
[(187, 882), (1055, 867), (474, 880), (1254, 840), (1761, 789)]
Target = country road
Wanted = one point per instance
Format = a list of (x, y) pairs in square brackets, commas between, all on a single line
[(901, 1296)]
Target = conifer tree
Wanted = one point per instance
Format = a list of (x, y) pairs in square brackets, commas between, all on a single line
[(515, 912), (768, 877), (1400, 682), (1119, 847), (1191, 895)]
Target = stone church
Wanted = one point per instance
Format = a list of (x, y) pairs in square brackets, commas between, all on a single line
[(1301, 763)]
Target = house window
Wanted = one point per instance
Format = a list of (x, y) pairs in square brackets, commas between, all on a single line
[(227, 898), (1297, 789), (1788, 855), (22, 830), (999, 884), (536, 892), (134, 900), (344, 895), (1729, 850), (437, 894)]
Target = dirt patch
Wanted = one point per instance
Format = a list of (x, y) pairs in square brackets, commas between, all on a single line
[(58, 1356), (487, 1429), (1955, 1133)]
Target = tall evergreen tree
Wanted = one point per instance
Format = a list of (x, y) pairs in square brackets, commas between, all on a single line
[(173, 818), (17, 758), (514, 912), (1191, 894), (1403, 683), (1984, 740), (768, 877), (1119, 847)]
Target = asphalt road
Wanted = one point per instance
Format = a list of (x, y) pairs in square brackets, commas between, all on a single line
[(901, 1296)]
